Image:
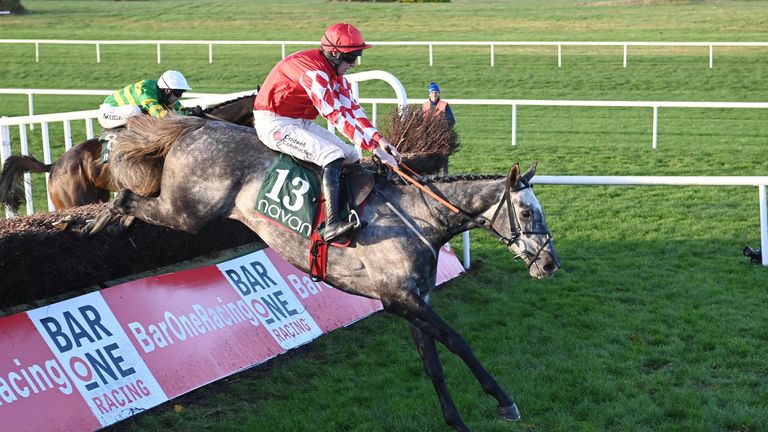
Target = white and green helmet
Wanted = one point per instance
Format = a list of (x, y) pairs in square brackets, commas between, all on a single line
[(173, 80)]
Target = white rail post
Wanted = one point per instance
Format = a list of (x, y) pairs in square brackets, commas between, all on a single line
[(514, 125), (711, 56), (374, 113), (67, 134), (282, 45), (31, 107), (158, 53), (98, 53), (465, 248), (559, 55), (210, 53), (89, 128), (430, 55), (625, 56), (492, 60), (5, 142), (47, 159), (763, 225), (655, 126), (37, 52)]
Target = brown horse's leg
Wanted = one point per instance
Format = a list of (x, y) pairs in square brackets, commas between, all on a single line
[(72, 179), (425, 345), (413, 308)]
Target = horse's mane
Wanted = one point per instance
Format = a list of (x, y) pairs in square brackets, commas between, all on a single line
[(148, 137), (136, 161), (211, 108), (452, 178)]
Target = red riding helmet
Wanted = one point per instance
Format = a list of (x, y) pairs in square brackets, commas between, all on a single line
[(343, 37)]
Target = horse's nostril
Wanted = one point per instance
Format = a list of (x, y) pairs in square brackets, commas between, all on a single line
[(549, 267)]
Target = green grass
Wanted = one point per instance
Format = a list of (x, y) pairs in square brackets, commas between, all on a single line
[(654, 323)]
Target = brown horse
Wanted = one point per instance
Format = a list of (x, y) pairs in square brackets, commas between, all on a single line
[(79, 177)]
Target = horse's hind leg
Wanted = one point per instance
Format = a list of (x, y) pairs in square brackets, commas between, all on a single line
[(420, 314), (434, 369)]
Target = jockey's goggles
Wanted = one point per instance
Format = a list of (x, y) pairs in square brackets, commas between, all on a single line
[(177, 93), (350, 58)]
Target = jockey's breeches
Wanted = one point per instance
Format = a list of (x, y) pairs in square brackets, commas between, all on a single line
[(302, 139), (111, 117)]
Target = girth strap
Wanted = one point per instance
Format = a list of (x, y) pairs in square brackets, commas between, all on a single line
[(410, 225)]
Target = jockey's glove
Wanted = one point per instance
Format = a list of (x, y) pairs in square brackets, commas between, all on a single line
[(385, 157), (389, 148), (196, 111)]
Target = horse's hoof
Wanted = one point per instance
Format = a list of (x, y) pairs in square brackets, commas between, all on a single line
[(63, 223), (509, 413)]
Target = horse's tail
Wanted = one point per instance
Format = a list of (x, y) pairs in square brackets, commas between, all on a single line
[(136, 161), (12, 178)]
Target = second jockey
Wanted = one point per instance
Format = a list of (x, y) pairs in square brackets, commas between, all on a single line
[(154, 98)]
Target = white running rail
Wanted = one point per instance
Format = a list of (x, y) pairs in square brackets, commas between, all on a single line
[(401, 100), (759, 181), (429, 44), (515, 103)]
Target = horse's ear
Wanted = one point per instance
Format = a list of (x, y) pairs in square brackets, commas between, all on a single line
[(531, 172), (514, 174)]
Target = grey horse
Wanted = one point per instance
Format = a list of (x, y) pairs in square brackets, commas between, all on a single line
[(214, 170)]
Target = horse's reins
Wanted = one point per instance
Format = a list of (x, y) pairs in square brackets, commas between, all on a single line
[(213, 117), (482, 222)]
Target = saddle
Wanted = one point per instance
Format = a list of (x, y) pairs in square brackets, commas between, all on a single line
[(290, 198), (290, 195), (107, 140)]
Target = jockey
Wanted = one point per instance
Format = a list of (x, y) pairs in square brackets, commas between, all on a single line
[(155, 98), (309, 83), (437, 105)]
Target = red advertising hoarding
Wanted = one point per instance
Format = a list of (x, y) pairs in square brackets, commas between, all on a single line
[(91, 361)]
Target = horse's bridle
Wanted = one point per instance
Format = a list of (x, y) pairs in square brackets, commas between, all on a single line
[(481, 221), (515, 228), (514, 225)]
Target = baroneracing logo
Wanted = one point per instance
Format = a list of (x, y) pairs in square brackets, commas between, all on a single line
[(261, 286), (97, 357)]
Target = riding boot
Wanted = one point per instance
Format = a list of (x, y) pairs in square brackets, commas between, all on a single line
[(335, 227)]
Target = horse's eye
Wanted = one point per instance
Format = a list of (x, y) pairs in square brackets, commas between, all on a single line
[(526, 214)]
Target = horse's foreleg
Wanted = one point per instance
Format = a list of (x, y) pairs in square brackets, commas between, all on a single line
[(420, 314), (157, 211), (434, 369), (99, 222), (103, 219)]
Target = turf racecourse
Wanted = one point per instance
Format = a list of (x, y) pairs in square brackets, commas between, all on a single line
[(655, 322)]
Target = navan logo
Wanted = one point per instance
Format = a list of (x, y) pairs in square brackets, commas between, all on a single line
[(98, 357)]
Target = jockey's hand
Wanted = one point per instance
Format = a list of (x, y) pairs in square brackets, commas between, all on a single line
[(389, 148), (385, 157)]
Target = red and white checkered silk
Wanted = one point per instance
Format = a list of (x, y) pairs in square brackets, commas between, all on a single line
[(333, 99)]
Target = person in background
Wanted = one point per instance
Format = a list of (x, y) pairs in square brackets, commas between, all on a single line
[(437, 106), (311, 83)]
